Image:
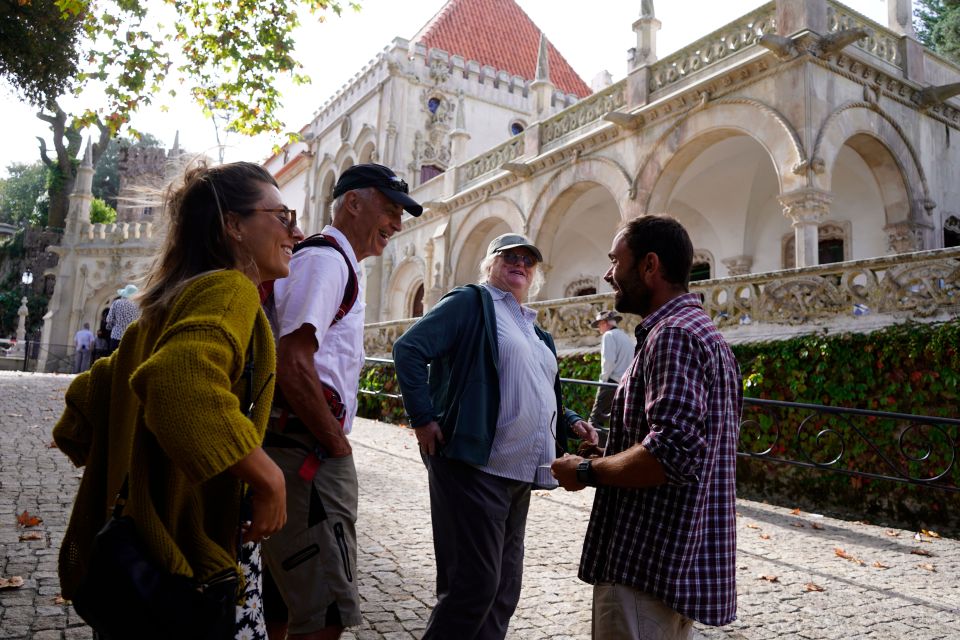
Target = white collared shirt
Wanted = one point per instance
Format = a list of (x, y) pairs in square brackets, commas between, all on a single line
[(311, 294), (527, 420)]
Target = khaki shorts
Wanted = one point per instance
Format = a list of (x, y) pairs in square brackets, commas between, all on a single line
[(313, 559)]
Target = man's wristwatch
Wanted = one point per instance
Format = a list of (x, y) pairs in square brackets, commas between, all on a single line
[(585, 473)]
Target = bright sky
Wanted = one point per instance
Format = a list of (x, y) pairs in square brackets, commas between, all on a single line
[(591, 36)]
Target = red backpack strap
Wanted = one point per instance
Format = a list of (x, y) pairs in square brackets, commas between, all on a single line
[(352, 289)]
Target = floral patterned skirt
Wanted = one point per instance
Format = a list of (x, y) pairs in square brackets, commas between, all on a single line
[(250, 621)]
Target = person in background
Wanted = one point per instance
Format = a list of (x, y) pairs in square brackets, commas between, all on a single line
[(481, 386), (661, 545), (122, 312), (616, 354), (83, 348), (317, 314), (181, 407)]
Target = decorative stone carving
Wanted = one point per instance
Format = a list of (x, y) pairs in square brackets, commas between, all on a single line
[(713, 48), (806, 208), (345, 126), (492, 160), (589, 110), (905, 237), (738, 265), (581, 283), (882, 43)]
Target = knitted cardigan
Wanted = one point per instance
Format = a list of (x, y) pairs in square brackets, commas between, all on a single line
[(168, 407)]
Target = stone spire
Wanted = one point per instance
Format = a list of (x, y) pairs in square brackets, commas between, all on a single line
[(542, 88), (78, 213), (646, 28), (900, 17), (543, 60)]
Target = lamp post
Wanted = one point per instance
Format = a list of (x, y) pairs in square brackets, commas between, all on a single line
[(26, 280)]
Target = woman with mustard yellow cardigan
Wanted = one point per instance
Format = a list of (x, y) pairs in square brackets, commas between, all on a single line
[(180, 408)]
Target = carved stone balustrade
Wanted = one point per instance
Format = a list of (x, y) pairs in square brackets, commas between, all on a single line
[(587, 111), (881, 42), (491, 160), (713, 48), (858, 296)]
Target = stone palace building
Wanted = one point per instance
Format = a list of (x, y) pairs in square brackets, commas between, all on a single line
[(811, 152)]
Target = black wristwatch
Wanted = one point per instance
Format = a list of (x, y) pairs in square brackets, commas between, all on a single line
[(585, 473)]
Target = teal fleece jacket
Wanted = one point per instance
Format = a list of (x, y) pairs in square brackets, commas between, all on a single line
[(461, 387)]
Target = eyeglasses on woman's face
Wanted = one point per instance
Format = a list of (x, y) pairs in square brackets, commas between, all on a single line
[(513, 259), (284, 215)]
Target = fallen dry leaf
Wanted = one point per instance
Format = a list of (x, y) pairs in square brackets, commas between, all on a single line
[(59, 599), (768, 578), (31, 535), (892, 533), (880, 565), (920, 552), (927, 566), (929, 534), (764, 536), (816, 525), (51, 445), (812, 587), (750, 525), (798, 525), (846, 556), (796, 511), (27, 520), (14, 582)]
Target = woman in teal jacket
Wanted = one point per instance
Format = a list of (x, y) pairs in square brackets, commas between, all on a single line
[(489, 417)]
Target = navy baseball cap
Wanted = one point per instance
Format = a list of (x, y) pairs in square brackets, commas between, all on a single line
[(361, 176)]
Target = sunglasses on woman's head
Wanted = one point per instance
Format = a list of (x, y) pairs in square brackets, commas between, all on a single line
[(513, 259)]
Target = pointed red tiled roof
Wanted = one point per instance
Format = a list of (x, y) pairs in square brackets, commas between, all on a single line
[(498, 33)]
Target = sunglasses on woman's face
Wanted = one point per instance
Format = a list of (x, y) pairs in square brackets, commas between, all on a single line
[(286, 216), (513, 259)]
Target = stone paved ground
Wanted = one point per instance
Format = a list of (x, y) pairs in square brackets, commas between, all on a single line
[(882, 590)]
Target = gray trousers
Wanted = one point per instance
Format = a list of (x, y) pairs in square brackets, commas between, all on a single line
[(478, 530), (600, 413)]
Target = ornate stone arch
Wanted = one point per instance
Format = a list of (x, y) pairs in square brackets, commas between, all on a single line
[(365, 144), (478, 221), (826, 231), (706, 125), (406, 278), (593, 170), (893, 159)]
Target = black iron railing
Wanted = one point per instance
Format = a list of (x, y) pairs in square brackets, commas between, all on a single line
[(877, 445)]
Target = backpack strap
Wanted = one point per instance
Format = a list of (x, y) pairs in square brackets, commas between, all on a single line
[(352, 289)]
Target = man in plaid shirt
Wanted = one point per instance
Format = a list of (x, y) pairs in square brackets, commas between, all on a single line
[(661, 546)]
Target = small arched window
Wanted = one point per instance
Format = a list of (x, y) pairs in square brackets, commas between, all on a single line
[(416, 308), (433, 104), (700, 271), (517, 127), (951, 232)]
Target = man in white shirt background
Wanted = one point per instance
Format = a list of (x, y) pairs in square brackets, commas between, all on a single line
[(83, 348), (616, 354)]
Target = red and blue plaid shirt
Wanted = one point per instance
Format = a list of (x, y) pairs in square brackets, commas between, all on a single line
[(680, 398)]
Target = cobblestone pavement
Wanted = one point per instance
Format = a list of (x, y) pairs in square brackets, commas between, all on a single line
[(793, 580)]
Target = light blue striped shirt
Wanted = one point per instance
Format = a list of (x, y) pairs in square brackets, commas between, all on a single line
[(527, 420)]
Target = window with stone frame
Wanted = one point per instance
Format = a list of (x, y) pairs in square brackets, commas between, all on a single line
[(429, 171), (581, 286), (702, 268), (832, 245), (416, 305), (951, 232)]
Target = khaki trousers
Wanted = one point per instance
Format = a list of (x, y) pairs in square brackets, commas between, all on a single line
[(624, 613)]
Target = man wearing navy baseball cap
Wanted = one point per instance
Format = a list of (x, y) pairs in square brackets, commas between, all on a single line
[(317, 315), (381, 178)]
